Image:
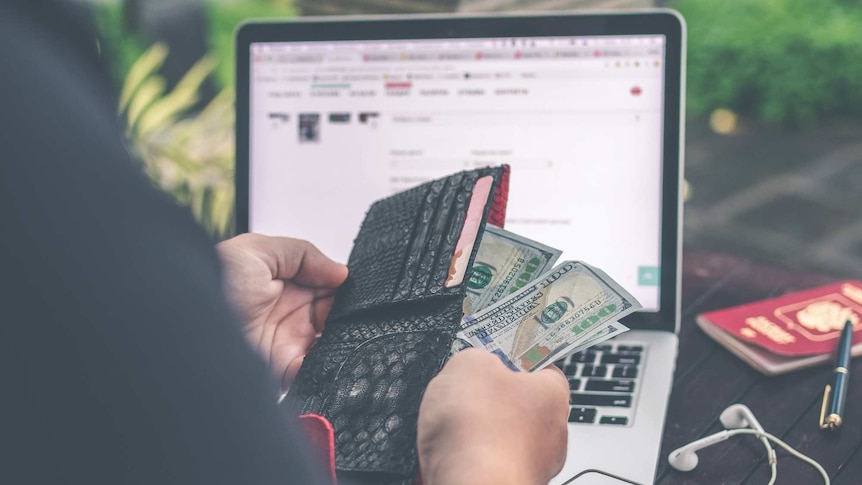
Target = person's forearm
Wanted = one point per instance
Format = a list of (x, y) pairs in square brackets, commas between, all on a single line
[(493, 476), (479, 468)]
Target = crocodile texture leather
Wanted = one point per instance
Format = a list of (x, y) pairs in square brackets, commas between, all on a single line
[(391, 327)]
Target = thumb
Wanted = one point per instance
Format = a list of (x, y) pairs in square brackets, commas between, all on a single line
[(290, 372), (553, 379), (299, 261)]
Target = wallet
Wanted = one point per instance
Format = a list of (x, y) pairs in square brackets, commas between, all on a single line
[(393, 322)]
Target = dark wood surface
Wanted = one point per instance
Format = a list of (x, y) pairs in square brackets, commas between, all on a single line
[(708, 379)]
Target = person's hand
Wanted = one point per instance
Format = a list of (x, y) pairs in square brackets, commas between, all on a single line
[(283, 290), (480, 423)]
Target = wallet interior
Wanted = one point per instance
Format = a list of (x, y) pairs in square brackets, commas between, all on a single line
[(392, 324)]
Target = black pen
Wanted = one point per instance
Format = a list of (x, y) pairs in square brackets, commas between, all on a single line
[(832, 420)]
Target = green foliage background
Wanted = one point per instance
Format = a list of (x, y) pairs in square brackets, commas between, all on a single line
[(783, 61), (187, 152), (223, 17), (119, 45)]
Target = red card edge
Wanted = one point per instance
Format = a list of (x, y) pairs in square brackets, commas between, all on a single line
[(497, 213)]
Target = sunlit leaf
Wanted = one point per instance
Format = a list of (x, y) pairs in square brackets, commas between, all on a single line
[(165, 111), (151, 89), (192, 80), (182, 97), (151, 60)]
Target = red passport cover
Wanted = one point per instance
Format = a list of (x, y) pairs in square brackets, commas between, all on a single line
[(797, 324)]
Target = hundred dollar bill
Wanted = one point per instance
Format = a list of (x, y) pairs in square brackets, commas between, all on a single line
[(612, 330), (606, 333), (548, 319), (505, 263)]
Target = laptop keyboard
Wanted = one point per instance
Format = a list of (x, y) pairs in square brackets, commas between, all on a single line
[(604, 381)]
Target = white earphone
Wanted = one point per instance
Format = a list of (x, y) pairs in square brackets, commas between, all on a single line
[(738, 420)]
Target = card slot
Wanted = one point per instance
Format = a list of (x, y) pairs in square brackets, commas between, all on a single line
[(445, 222), (380, 251), (419, 244), (406, 244), (450, 241)]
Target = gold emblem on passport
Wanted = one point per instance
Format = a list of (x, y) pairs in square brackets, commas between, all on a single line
[(823, 318), (826, 316)]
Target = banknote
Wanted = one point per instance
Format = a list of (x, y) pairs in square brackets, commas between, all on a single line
[(612, 330), (505, 263), (554, 315)]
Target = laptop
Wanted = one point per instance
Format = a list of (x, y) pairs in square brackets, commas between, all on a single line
[(334, 113)]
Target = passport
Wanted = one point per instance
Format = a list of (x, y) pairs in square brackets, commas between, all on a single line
[(790, 332)]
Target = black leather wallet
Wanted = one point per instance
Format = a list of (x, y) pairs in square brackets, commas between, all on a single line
[(392, 324)]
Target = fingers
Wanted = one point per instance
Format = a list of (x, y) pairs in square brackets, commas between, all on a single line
[(323, 299), (555, 380), (296, 260), (549, 383), (477, 357), (468, 357), (530, 448), (291, 371)]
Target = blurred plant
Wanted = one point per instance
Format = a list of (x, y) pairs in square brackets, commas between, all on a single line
[(785, 61), (120, 46), (187, 155)]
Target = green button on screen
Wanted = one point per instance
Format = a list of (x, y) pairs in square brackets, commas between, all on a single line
[(648, 275)]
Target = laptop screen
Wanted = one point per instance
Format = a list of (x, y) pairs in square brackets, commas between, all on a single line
[(334, 126)]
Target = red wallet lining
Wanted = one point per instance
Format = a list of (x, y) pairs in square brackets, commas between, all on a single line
[(497, 213)]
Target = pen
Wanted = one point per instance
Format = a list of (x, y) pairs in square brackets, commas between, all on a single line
[(832, 420)]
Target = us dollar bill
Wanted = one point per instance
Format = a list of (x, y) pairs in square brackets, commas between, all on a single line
[(505, 263), (612, 330), (562, 310)]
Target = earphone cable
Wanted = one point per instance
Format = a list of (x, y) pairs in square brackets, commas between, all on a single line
[(754, 432), (600, 472), (787, 448)]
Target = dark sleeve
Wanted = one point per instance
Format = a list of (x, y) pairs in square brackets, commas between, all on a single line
[(121, 361)]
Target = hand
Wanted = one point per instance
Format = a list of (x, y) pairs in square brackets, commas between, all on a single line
[(480, 423), (283, 290)]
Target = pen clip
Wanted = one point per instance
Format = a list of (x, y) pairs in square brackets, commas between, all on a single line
[(823, 423)]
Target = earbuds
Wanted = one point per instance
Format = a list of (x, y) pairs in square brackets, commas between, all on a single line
[(739, 416), (735, 417), (738, 420), (684, 458)]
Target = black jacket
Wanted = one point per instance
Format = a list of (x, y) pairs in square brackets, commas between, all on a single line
[(121, 360)]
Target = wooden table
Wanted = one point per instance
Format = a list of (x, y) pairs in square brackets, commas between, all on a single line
[(708, 379)]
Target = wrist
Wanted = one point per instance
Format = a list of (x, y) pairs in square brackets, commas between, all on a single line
[(478, 467)]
